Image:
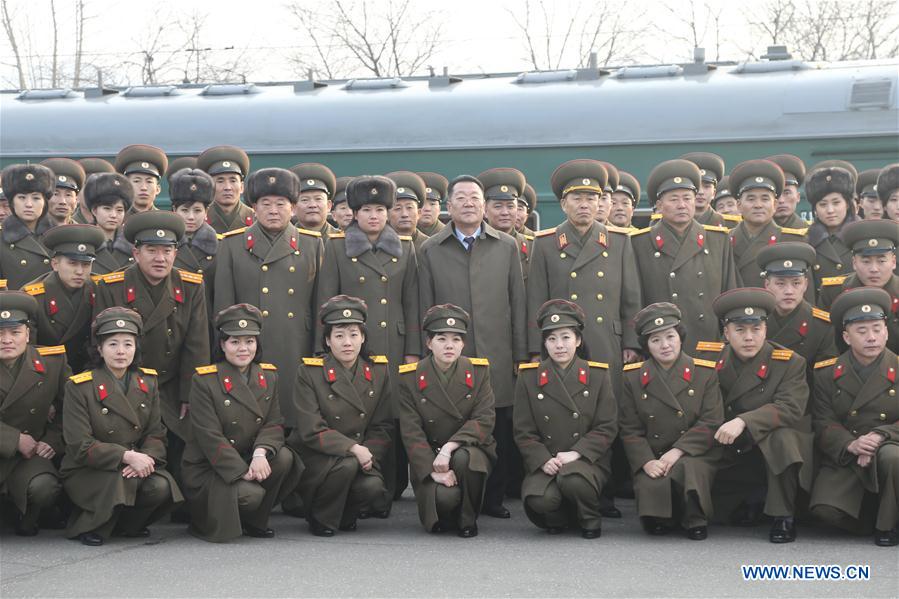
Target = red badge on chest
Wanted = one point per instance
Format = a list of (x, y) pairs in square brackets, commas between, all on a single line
[(772, 240), (524, 248), (762, 372), (366, 372), (700, 240), (331, 375), (422, 382), (227, 384), (52, 307), (895, 307), (644, 378), (38, 366), (891, 375), (179, 296), (543, 378), (142, 385), (688, 374), (582, 375), (293, 243), (262, 382), (248, 220), (101, 391), (803, 328), (837, 371), (720, 364), (660, 243), (250, 241), (130, 296), (469, 380)]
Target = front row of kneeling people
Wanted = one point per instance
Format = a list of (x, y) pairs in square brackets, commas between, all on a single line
[(734, 437)]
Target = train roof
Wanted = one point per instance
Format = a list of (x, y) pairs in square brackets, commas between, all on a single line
[(702, 103)]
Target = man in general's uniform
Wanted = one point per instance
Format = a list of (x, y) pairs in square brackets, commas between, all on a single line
[(273, 266), (144, 166), (31, 395), (856, 419), (472, 265), (429, 220), (502, 188), (794, 173), (65, 296), (767, 455), (228, 166), (711, 168), (340, 211), (69, 181), (410, 197), (873, 244), (679, 260), (23, 257), (756, 184), (624, 200), (91, 166), (172, 304), (317, 187)]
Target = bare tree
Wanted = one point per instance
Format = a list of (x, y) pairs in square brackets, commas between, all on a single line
[(79, 42), (9, 28)]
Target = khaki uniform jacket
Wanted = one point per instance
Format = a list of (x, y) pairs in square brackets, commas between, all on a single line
[(600, 276), (689, 274), (198, 256), (711, 217), (525, 243), (554, 412), (487, 283), (432, 414), (175, 337), (807, 331), (845, 408), (113, 256), (418, 238), (747, 248), (337, 410), (836, 285), (230, 417), (660, 410), (769, 393), (389, 286), (242, 216), (100, 423), (279, 279), (833, 258), (22, 256), (433, 229), (794, 221), (64, 319), (31, 404)]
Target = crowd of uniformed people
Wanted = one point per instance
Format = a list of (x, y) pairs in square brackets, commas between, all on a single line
[(287, 337)]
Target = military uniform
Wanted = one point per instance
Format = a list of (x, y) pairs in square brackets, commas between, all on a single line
[(834, 258), (227, 160), (711, 168), (91, 166), (64, 315), (316, 177), (104, 417), (145, 160), (794, 173), (852, 400), (236, 416), (108, 189), (196, 251), (769, 393), (69, 175), (529, 200), (507, 184), (437, 186), (661, 409), (276, 274), (23, 257), (31, 403)]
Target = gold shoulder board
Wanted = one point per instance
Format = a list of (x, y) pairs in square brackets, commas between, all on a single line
[(2, 283), (219, 236), (379, 359), (149, 371), (404, 368), (709, 346), (233, 232), (52, 350), (641, 231), (716, 228), (342, 235), (308, 232), (207, 369), (790, 231), (313, 361), (267, 366), (545, 232), (825, 363), (706, 363), (831, 281), (82, 378), (598, 365), (734, 218), (527, 365), (113, 277), (782, 354), (655, 216), (528, 237), (480, 361), (190, 277), (821, 314), (632, 366), (405, 238), (96, 278), (614, 229), (34, 289)]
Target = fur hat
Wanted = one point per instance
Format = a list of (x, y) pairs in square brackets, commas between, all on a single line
[(370, 189), (887, 182), (28, 178), (823, 181), (190, 185), (272, 182), (106, 189)]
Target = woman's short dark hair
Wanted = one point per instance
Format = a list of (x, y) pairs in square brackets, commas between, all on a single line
[(583, 352), (463, 179), (643, 340), (364, 352), (218, 354), (95, 360)]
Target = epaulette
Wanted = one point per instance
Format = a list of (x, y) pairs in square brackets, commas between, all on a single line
[(640, 231), (598, 365), (528, 237), (825, 363), (219, 236), (709, 346), (706, 363), (233, 232), (614, 229), (82, 378), (190, 277), (405, 238), (404, 368), (339, 235), (821, 314), (2, 283), (790, 231), (309, 232), (831, 281), (34, 289), (51, 350), (632, 366), (113, 277), (267, 366), (313, 361), (655, 216), (545, 232), (151, 371), (782, 354), (207, 369), (716, 228), (379, 359), (96, 278), (734, 218), (527, 365), (480, 361)]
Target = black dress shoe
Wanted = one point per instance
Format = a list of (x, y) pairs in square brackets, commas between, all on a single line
[(886, 538), (137, 534), (91, 539), (610, 511), (591, 533), (26, 530), (698, 533), (258, 533), (381, 515), (319, 529), (655, 527), (467, 532), (497, 511), (782, 531), (554, 530), (348, 527)]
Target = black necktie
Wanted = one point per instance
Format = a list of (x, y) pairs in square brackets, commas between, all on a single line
[(469, 242)]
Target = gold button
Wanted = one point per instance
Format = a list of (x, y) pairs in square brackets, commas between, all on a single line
[(674, 295), (658, 254), (292, 269), (361, 279), (227, 402), (362, 415), (143, 405), (354, 259), (605, 254), (853, 413), (883, 416), (258, 420), (371, 393), (264, 268), (265, 290), (599, 296), (383, 325), (671, 275), (576, 435), (645, 396), (394, 259), (290, 292), (599, 319), (290, 315), (563, 255), (574, 275), (265, 313), (137, 428), (817, 267), (600, 274), (539, 396), (573, 296), (383, 301), (383, 279), (892, 392), (546, 418), (839, 266), (104, 411), (46, 261), (32, 411), (575, 415), (586, 393), (691, 393), (23, 262), (107, 432), (232, 441), (652, 417), (680, 414)]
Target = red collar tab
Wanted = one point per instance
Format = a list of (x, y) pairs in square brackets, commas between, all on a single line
[(660, 242), (52, 306), (688, 374), (700, 240), (101, 391), (142, 384), (179, 296), (130, 295), (762, 372), (248, 220), (250, 241), (227, 383), (422, 382), (803, 328), (469, 380), (331, 375), (772, 240), (582, 375), (543, 378), (262, 382), (891, 374), (293, 243), (644, 378), (838, 371), (366, 371)]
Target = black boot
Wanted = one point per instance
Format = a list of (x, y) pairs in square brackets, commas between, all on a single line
[(782, 531)]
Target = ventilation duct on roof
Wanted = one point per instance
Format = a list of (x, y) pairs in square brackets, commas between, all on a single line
[(230, 89), (156, 91), (871, 93), (47, 94), (366, 84)]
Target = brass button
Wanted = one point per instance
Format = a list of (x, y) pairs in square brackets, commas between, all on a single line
[(394, 260), (258, 420), (574, 297), (599, 319), (674, 295), (104, 411), (292, 269), (136, 427), (839, 266), (383, 279), (657, 254), (110, 432), (575, 415), (33, 411), (671, 275), (563, 255), (680, 414), (23, 262), (599, 296), (143, 406), (600, 274), (264, 313), (883, 416), (549, 437), (656, 436), (652, 417), (645, 396), (354, 259), (265, 290), (699, 274), (424, 400), (574, 275), (290, 315), (605, 254), (539, 396), (361, 279), (383, 325), (383, 301), (691, 393), (701, 317), (892, 392), (576, 435), (46, 261), (371, 393), (358, 435), (546, 418), (362, 415), (231, 441), (264, 268), (290, 292), (227, 402), (853, 413), (586, 393)]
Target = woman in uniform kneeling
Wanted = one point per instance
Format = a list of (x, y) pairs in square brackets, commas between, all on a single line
[(114, 467), (565, 421), (236, 468), (670, 409), (446, 421), (343, 423)]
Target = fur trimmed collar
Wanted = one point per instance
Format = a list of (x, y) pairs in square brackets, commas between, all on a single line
[(357, 242), (204, 239)]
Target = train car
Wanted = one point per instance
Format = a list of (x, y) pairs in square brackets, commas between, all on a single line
[(633, 117)]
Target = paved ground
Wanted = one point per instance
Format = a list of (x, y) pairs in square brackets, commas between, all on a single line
[(396, 558)]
